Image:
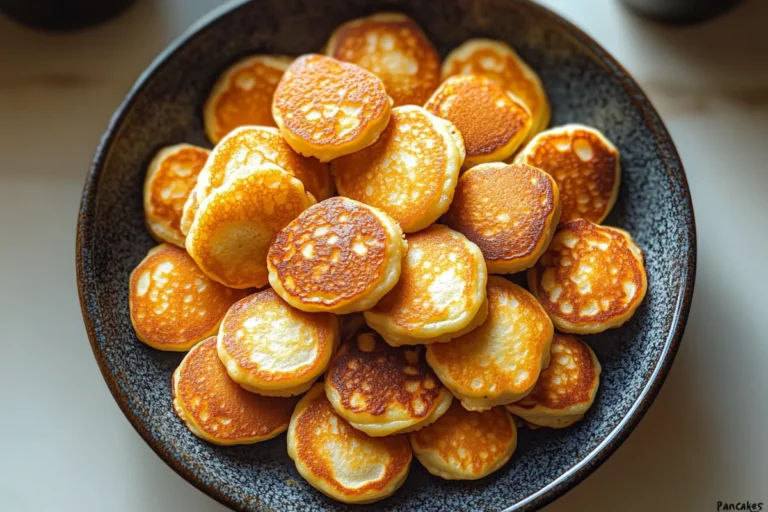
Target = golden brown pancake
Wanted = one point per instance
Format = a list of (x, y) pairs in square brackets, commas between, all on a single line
[(466, 445), (234, 225), (565, 389), (440, 294), (410, 172), (173, 304), (219, 411), (272, 348), (242, 95), (585, 166), (509, 210), (252, 146), (492, 121), (499, 61), (383, 390), (341, 461), (393, 47), (591, 278), (327, 108), (499, 362), (171, 176), (339, 256)]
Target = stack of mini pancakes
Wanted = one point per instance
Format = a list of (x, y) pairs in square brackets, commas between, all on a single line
[(332, 264)]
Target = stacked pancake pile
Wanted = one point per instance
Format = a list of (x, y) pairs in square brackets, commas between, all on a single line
[(374, 323)]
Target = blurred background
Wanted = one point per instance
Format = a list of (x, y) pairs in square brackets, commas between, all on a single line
[(67, 445)]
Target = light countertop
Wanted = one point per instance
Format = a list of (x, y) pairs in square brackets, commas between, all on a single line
[(67, 446)]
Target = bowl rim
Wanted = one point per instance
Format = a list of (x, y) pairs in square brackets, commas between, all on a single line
[(547, 494)]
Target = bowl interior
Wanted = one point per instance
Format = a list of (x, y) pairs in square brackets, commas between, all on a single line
[(583, 84)]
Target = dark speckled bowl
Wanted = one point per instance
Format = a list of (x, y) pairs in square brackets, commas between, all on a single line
[(584, 84)]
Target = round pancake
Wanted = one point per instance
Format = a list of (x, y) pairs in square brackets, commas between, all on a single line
[(274, 349), (466, 445), (499, 362), (393, 47), (499, 61), (341, 461), (242, 95), (492, 121), (219, 411), (384, 390), (565, 389), (327, 108), (509, 210), (440, 294), (171, 176), (173, 304), (585, 166), (234, 225), (251, 146), (591, 278), (339, 256), (409, 173)]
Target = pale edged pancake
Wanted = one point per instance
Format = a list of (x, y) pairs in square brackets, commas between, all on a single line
[(466, 445), (341, 461), (499, 362), (410, 172), (440, 294), (492, 120), (171, 176), (566, 389), (497, 60), (393, 47), (384, 390), (339, 256), (252, 146), (219, 411), (274, 349), (173, 304), (327, 108), (242, 95), (510, 211), (234, 225), (585, 165), (591, 278)]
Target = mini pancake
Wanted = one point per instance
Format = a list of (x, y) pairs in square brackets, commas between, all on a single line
[(585, 166), (466, 445), (499, 362), (509, 210), (499, 61), (341, 461), (274, 349), (409, 173), (251, 146), (230, 236), (173, 304), (327, 108), (440, 294), (171, 176), (393, 47), (339, 256), (219, 411), (384, 390), (565, 389), (492, 121), (242, 95), (591, 278)]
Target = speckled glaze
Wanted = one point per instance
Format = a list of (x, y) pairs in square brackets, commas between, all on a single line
[(584, 84)]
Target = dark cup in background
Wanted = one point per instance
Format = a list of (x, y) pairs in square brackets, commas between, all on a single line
[(62, 14), (680, 11)]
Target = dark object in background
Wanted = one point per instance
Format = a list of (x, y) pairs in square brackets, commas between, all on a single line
[(680, 11), (62, 14)]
